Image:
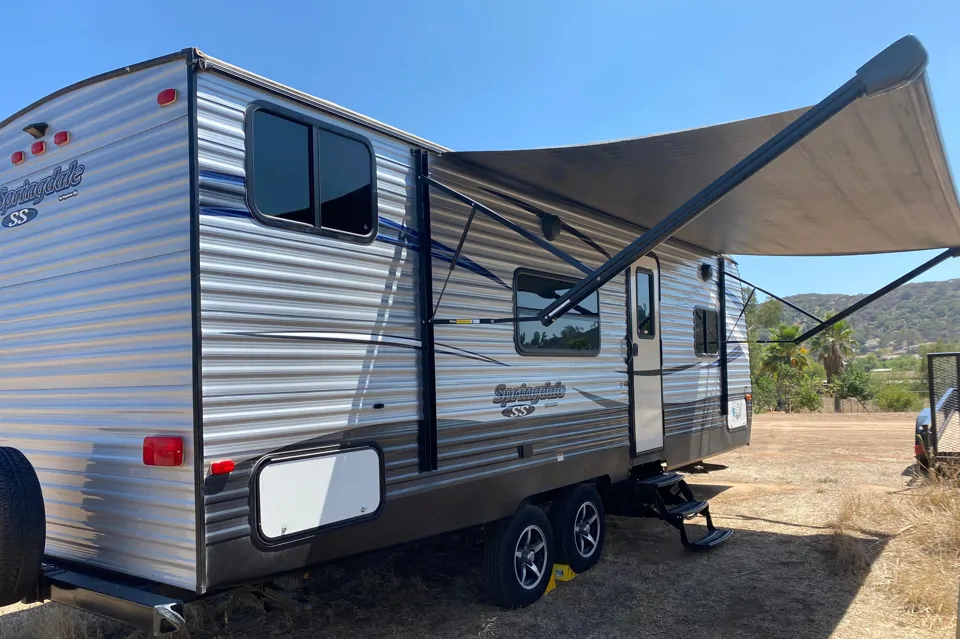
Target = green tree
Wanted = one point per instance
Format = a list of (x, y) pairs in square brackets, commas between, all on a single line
[(785, 361), (897, 398), (764, 394), (787, 352), (760, 319), (870, 361), (854, 382), (834, 346)]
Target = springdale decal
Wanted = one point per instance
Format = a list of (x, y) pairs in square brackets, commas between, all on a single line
[(61, 181), (526, 397)]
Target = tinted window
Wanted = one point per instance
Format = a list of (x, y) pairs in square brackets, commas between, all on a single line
[(346, 188), (297, 165), (281, 168), (645, 325), (577, 332), (706, 332)]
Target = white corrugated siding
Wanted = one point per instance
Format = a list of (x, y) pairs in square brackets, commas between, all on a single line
[(96, 324), (352, 305), (596, 385)]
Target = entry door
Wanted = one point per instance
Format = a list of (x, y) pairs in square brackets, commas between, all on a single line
[(644, 365)]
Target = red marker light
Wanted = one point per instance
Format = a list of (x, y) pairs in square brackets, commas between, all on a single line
[(38, 148), (222, 467), (163, 451), (748, 397), (61, 138), (18, 157), (167, 96)]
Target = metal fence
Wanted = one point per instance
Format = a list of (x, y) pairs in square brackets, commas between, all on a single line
[(944, 373)]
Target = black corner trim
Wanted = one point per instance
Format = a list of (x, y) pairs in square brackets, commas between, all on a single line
[(427, 425), (198, 458), (722, 336), (314, 123), (269, 545)]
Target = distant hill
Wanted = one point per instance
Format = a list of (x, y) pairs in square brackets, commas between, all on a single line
[(913, 314)]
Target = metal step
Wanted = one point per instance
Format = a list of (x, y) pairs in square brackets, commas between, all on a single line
[(712, 539), (664, 480), (687, 509)]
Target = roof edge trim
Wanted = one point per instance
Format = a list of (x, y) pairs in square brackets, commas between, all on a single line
[(133, 68)]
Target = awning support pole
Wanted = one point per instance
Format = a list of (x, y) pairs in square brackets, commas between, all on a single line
[(779, 299), (753, 291), (897, 65), (516, 228), (456, 257), (873, 297)]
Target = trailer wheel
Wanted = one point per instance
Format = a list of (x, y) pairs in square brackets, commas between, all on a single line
[(518, 558), (579, 522), (22, 526)]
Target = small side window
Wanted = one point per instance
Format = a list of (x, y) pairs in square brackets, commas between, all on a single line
[(576, 332), (282, 168), (645, 309), (346, 184), (307, 175), (706, 331)]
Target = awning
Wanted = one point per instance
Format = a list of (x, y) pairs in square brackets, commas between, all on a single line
[(873, 179)]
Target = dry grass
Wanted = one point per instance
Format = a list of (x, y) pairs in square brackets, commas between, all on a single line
[(833, 539), (920, 564)]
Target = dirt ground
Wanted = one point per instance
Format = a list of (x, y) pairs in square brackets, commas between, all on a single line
[(777, 577)]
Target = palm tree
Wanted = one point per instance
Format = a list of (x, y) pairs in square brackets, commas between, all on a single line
[(781, 360), (833, 347), (788, 352)]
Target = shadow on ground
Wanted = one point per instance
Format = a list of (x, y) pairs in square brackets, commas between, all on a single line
[(757, 585)]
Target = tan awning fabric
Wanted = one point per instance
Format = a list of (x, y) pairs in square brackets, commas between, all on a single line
[(874, 179)]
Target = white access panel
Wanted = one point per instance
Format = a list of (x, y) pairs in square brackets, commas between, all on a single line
[(308, 493), (737, 417)]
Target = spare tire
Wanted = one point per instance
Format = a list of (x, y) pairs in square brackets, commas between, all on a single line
[(22, 527)]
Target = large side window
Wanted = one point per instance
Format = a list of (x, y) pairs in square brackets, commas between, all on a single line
[(306, 175), (576, 332), (706, 331), (645, 309)]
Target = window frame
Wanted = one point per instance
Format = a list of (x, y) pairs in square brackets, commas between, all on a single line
[(551, 352), (702, 352), (314, 125), (653, 303)]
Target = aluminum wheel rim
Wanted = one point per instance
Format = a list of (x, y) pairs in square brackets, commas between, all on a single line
[(530, 557), (586, 529)]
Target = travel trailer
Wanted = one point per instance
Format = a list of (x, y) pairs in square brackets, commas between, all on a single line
[(248, 331)]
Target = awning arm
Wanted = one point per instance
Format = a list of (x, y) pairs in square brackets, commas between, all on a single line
[(869, 299), (516, 228), (897, 65), (779, 299), (456, 258)]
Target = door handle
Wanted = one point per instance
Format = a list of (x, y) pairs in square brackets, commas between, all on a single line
[(636, 349)]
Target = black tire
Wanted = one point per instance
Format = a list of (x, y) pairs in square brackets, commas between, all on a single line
[(501, 570), (22, 527), (582, 501)]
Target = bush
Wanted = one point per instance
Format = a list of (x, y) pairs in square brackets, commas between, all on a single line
[(764, 394), (854, 381), (805, 394), (896, 398)]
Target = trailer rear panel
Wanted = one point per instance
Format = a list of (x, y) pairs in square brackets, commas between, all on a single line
[(96, 318)]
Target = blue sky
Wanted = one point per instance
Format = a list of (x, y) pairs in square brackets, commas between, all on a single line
[(521, 73)]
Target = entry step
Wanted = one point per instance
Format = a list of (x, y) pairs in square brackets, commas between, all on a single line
[(712, 538), (687, 509), (664, 480)]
